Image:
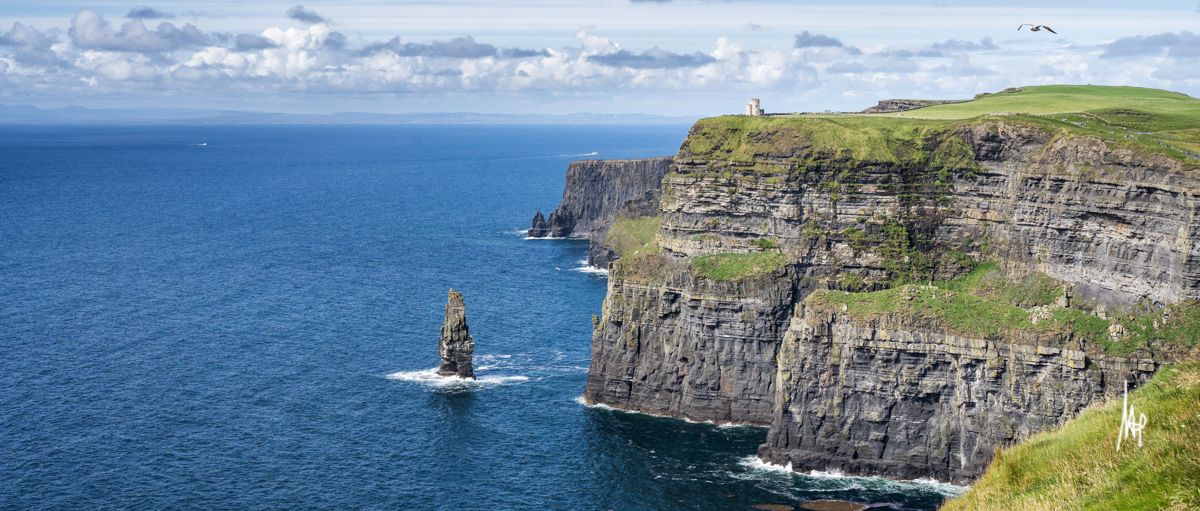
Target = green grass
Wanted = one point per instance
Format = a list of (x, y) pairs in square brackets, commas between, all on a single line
[(633, 235), (962, 313), (1157, 119), (805, 140), (1146, 120), (723, 267), (987, 303), (987, 281), (1182, 328), (1077, 466), (1054, 99)]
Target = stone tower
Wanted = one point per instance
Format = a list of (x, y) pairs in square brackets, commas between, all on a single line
[(456, 346), (753, 108)]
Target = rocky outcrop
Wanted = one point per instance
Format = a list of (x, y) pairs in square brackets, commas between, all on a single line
[(900, 105), (596, 191), (539, 228), (899, 397), (456, 347)]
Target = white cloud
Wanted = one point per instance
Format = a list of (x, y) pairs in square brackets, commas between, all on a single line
[(168, 60)]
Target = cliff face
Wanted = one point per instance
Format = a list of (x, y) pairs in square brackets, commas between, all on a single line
[(684, 346), (858, 204), (1118, 225), (891, 396), (597, 190)]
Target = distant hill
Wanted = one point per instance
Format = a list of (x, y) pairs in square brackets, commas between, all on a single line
[(27, 114)]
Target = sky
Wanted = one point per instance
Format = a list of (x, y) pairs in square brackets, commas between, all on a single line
[(670, 57)]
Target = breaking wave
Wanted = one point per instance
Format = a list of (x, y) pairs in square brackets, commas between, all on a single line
[(584, 267), (431, 379), (841, 482), (600, 406)]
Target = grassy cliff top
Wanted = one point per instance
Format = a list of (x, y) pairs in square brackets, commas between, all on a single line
[(1078, 466), (1057, 99), (1148, 120)]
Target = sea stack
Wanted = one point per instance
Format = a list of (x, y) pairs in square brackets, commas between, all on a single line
[(456, 346)]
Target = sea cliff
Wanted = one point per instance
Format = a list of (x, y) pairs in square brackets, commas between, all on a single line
[(992, 276), (596, 191)]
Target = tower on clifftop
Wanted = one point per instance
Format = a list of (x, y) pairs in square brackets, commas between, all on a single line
[(753, 108)]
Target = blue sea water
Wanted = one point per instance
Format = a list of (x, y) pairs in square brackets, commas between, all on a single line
[(242, 317)]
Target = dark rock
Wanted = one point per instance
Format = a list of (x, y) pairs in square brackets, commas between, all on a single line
[(832, 505), (539, 228), (902, 105), (456, 346)]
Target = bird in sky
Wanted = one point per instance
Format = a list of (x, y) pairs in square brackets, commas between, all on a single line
[(1036, 28)]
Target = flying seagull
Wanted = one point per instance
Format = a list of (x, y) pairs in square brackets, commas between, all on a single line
[(1036, 28)]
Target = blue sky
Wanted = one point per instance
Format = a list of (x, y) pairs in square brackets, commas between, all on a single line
[(553, 56)]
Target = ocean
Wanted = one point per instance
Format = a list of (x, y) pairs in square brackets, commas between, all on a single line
[(244, 317)]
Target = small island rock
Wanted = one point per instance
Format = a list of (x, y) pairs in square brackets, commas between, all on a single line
[(456, 346)]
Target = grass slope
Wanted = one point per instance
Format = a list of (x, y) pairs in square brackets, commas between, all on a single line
[(1056, 99), (1077, 466)]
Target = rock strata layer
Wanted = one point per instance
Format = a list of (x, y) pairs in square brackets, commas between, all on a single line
[(456, 347), (890, 396)]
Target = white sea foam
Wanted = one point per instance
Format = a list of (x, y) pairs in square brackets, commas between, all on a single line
[(493, 361), (430, 378), (553, 237), (601, 406), (584, 267), (756, 464)]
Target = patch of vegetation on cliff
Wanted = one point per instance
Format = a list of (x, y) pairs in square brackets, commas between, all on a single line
[(636, 241), (987, 280), (644, 267), (629, 235), (907, 249), (987, 303), (1077, 466), (961, 313), (738, 266)]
